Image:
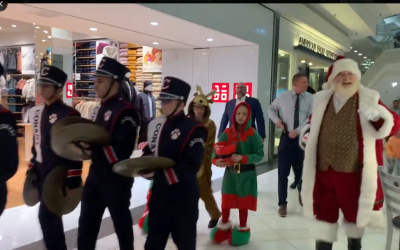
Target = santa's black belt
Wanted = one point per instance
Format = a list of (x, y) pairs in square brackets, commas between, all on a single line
[(239, 168)]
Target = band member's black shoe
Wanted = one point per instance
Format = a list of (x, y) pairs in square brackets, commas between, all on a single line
[(212, 223), (322, 245), (294, 185), (353, 244)]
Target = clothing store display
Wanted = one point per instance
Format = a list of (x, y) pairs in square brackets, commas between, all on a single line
[(86, 108), (147, 109)]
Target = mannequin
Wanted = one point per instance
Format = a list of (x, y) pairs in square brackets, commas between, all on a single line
[(147, 109)]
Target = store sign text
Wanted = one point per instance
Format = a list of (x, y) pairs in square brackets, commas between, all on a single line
[(221, 92), (248, 89), (69, 90), (316, 48)]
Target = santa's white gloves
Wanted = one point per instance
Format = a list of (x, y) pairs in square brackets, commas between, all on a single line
[(305, 138), (369, 111)]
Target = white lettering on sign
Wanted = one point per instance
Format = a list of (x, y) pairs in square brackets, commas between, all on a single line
[(70, 90), (221, 92), (316, 48), (196, 140)]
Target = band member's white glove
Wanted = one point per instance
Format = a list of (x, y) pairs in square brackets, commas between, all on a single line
[(305, 138), (370, 112)]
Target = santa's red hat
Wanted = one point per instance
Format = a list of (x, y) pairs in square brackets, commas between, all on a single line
[(341, 64)]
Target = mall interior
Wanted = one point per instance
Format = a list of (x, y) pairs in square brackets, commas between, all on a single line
[(205, 45)]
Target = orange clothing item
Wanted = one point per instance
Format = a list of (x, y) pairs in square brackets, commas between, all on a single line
[(393, 148)]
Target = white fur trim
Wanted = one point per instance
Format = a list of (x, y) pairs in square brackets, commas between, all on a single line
[(224, 226), (346, 64), (303, 132), (243, 228), (352, 231), (327, 85), (324, 231), (370, 166), (378, 220)]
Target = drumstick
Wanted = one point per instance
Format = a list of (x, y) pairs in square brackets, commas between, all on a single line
[(137, 138)]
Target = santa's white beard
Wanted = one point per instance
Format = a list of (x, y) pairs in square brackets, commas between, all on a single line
[(346, 90)]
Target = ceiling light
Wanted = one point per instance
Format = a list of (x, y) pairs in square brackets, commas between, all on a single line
[(355, 51), (310, 64), (93, 29), (154, 23), (372, 62), (365, 57), (14, 25), (282, 54), (49, 37), (359, 54), (41, 53), (394, 84), (45, 31), (33, 23), (0, 28), (302, 61), (351, 47), (34, 36), (37, 27), (43, 40), (210, 39), (155, 43)]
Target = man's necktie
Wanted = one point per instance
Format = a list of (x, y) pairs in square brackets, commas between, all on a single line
[(296, 112)]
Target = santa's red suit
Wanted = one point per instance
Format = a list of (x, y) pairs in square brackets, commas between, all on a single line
[(343, 150)]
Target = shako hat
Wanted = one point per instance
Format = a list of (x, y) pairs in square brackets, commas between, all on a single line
[(111, 68), (52, 75), (174, 89), (341, 64)]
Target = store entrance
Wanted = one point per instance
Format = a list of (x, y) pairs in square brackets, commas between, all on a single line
[(316, 78)]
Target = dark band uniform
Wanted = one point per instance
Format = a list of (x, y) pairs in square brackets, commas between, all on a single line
[(43, 117), (103, 188), (8, 150), (173, 205)]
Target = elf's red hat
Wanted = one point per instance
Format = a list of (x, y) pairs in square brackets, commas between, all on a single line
[(341, 64)]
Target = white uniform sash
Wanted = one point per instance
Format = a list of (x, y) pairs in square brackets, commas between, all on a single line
[(153, 137), (153, 133), (35, 118), (95, 111)]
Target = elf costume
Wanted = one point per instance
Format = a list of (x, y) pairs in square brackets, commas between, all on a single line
[(239, 186), (205, 172)]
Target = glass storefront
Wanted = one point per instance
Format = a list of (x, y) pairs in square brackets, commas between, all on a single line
[(283, 83)]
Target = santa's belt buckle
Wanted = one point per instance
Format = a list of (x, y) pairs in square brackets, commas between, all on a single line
[(236, 167)]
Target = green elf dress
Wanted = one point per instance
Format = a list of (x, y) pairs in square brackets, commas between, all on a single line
[(239, 185)]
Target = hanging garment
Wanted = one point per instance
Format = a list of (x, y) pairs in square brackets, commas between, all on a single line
[(12, 62), (19, 62)]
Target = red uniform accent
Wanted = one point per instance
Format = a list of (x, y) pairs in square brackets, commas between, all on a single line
[(74, 172), (110, 154)]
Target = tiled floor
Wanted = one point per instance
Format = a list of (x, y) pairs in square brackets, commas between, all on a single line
[(269, 231)]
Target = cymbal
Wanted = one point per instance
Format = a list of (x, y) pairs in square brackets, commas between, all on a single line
[(54, 192), (136, 167), (31, 192), (72, 130)]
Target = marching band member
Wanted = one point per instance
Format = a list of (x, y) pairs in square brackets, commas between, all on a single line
[(199, 109), (44, 160), (103, 188), (8, 150), (174, 201), (239, 186)]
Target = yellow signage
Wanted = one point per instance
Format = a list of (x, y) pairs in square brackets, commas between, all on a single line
[(316, 48)]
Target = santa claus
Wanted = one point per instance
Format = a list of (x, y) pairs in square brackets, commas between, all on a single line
[(343, 150)]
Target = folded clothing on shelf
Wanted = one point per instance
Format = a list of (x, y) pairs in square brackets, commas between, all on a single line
[(11, 91), (123, 50), (132, 52), (132, 45), (86, 62), (124, 54), (123, 45), (87, 45)]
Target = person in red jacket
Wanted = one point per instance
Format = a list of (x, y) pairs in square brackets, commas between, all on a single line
[(343, 150)]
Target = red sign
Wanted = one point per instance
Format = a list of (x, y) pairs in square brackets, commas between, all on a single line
[(69, 90), (221, 92), (248, 89)]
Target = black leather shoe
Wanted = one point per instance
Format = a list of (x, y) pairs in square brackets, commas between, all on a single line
[(294, 185), (353, 244), (212, 223), (322, 245)]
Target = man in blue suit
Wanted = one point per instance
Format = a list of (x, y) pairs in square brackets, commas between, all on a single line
[(257, 114)]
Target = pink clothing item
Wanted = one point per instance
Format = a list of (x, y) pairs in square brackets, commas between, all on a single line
[(123, 45), (123, 54), (123, 50)]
